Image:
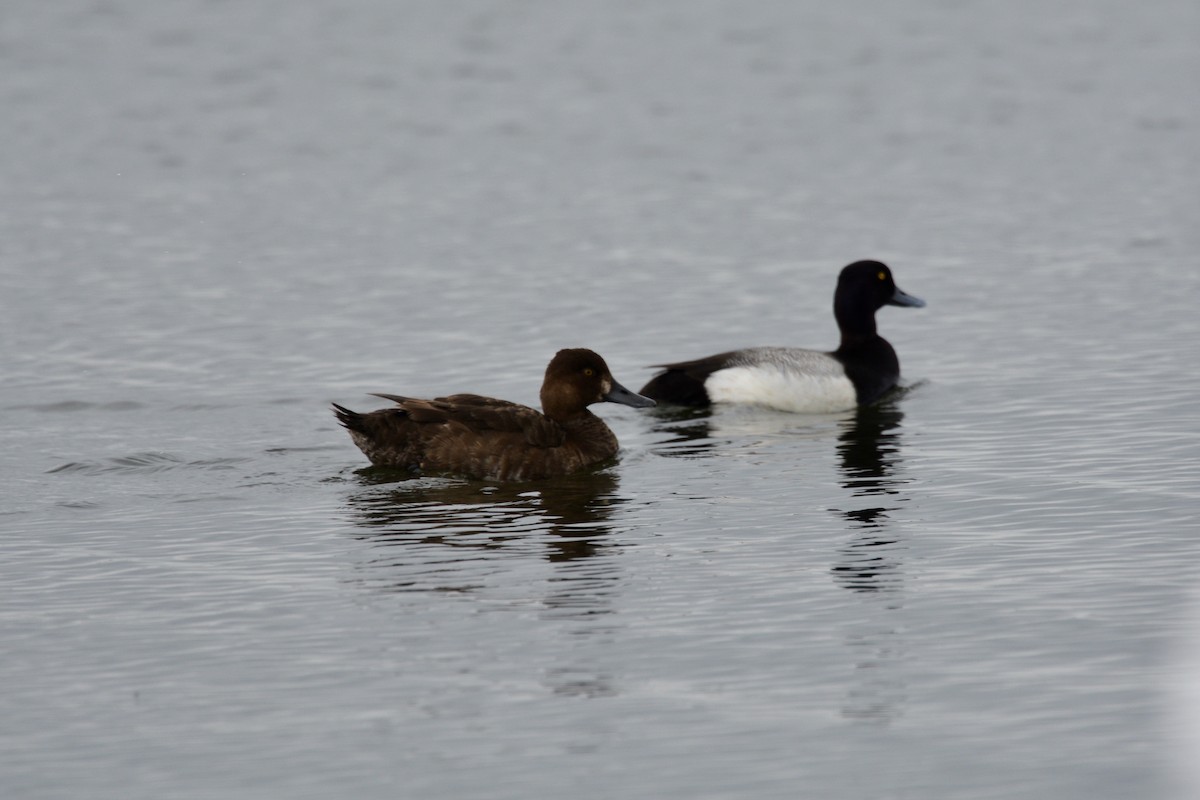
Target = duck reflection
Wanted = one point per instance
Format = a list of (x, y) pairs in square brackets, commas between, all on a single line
[(560, 520), (869, 451), (431, 535), (878, 691), (688, 430)]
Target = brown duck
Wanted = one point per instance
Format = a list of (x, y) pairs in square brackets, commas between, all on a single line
[(481, 437)]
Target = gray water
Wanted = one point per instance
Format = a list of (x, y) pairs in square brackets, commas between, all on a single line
[(217, 217)]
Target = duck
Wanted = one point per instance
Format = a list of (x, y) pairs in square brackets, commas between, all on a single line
[(859, 372), (488, 439)]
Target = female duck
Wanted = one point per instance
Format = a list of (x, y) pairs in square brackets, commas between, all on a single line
[(480, 437), (859, 372)]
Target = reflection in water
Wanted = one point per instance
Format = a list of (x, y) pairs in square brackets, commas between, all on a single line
[(869, 449), (431, 535), (877, 693), (562, 520), (689, 429), (870, 563)]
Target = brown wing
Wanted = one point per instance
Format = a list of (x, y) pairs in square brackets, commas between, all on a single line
[(478, 413)]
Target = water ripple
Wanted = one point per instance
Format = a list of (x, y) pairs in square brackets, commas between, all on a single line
[(81, 405), (145, 462)]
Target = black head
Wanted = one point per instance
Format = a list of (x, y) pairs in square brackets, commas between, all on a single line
[(863, 288), (576, 378)]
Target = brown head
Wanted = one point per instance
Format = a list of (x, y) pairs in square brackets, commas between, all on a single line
[(578, 377)]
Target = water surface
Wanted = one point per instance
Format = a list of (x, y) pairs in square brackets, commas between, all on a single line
[(217, 218)]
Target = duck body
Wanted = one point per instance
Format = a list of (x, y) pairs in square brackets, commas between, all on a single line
[(863, 368), (490, 439), (786, 378)]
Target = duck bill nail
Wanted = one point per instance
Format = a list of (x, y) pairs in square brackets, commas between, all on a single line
[(619, 394), (901, 298)]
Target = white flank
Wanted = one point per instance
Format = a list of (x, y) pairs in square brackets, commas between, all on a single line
[(801, 381)]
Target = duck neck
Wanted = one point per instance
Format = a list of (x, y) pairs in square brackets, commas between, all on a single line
[(562, 409), (576, 421), (854, 325)]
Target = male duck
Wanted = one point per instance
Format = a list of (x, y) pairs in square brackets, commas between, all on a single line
[(480, 437), (859, 372)]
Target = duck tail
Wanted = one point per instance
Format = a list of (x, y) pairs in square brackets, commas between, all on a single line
[(676, 387), (351, 420)]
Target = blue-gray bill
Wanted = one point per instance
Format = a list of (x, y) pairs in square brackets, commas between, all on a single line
[(902, 298), (619, 394)]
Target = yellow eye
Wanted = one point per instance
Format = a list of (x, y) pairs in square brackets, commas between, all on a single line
[(883, 276), (589, 371)]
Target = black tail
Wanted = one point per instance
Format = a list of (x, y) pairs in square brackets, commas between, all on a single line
[(351, 420), (676, 387)]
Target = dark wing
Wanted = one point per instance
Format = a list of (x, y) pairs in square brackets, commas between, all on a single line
[(478, 413)]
